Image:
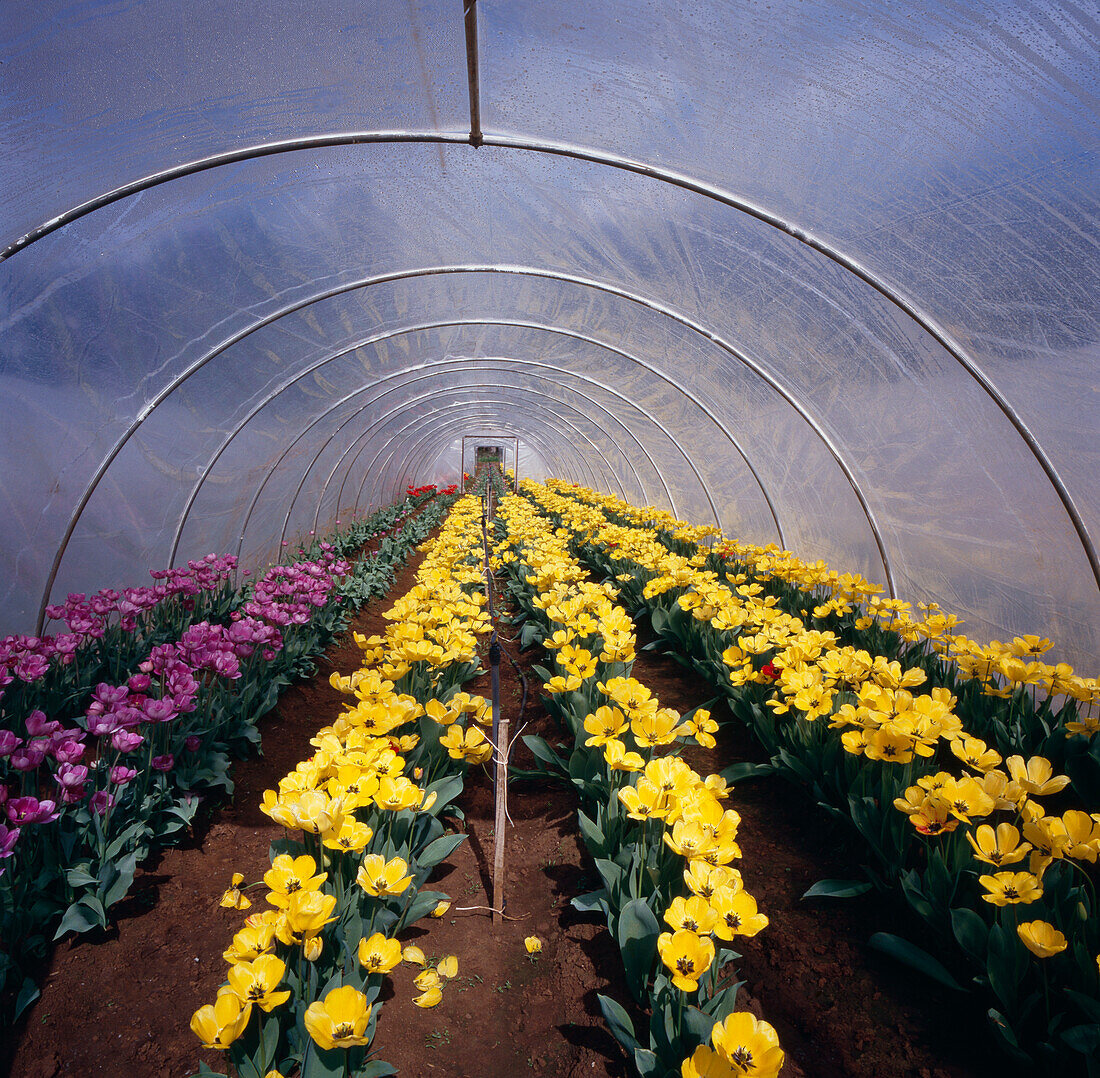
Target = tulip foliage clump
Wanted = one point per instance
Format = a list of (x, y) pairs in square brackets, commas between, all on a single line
[(662, 838), (362, 816), (971, 772)]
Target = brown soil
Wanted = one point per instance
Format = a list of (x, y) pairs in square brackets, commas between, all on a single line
[(121, 1004)]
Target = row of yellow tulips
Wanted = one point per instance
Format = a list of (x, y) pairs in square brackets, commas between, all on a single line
[(305, 974), (898, 761), (662, 839)]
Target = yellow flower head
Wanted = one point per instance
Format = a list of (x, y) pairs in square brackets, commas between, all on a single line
[(748, 1044), (533, 944), (687, 956), (340, 1020), (289, 875), (379, 954), (219, 1024), (251, 942), (645, 801), (382, 878), (604, 725), (351, 838), (306, 913), (736, 913), (1036, 776), (233, 899), (617, 757), (692, 913), (998, 847), (1010, 888), (1041, 939), (255, 982)]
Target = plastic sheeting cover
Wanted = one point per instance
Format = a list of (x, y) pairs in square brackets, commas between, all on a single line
[(851, 306)]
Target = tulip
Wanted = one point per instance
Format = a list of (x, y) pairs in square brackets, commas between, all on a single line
[(340, 1021), (1041, 938), (24, 810), (220, 1024), (379, 954)]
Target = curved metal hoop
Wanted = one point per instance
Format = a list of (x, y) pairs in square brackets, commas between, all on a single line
[(630, 464), (165, 391), (282, 456), (561, 149), (416, 328), (451, 389)]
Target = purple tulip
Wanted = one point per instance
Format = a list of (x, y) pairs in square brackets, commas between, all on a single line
[(9, 836), (39, 726), (23, 810), (31, 667), (101, 802), (103, 725), (163, 763), (30, 755), (160, 710), (120, 774), (139, 682), (126, 740), (192, 743), (8, 742), (68, 751)]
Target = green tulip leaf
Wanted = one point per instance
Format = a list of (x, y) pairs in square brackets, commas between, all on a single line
[(622, 1029), (911, 955), (837, 889), (636, 932)]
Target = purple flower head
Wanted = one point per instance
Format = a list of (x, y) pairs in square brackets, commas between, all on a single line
[(102, 802), (103, 725), (120, 774), (55, 612), (39, 726), (164, 763), (193, 743), (9, 836), (66, 644), (71, 774), (126, 740), (9, 742), (69, 750), (160, 710), (23, 810), (30, 755), (31, 667), (139, 682), (108, 695)]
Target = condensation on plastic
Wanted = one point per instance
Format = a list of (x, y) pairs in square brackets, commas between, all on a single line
[(337, 318)]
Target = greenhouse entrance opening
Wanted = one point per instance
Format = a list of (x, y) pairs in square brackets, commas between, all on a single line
[(499, 452)]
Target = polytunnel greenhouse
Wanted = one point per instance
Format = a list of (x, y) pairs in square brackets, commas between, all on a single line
[(633, 466)]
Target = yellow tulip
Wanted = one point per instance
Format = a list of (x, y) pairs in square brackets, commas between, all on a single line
[(341, 1020), (750, 1045), (255, 982), (220, 1024), (533, 944), (379, 954), (1041, 938), (687, 956), (382, 878), (289, 875)]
